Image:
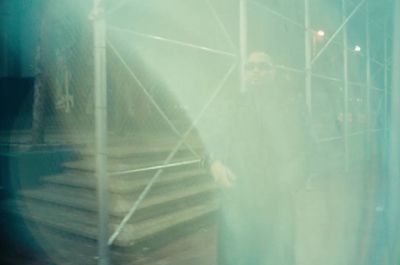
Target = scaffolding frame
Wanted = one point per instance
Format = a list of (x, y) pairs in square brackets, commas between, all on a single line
[(100, 92), (99, 15)]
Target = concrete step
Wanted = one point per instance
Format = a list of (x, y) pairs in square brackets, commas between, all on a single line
[(155, 202), (146, 136), (141, 149), (70, 249), (115, 165), (149, 209), (118, 198), (158, 157), (85, 225), (124, 184)]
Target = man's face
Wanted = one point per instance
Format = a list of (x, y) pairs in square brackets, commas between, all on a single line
[(259, 70)]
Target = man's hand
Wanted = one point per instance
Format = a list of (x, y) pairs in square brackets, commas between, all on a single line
[(223, 176)]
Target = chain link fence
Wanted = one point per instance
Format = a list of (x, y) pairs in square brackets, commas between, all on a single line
[(173, 65)]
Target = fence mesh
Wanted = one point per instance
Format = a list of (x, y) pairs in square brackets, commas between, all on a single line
[(173, 65)]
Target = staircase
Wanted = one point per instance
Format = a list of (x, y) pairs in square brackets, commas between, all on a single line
[(62, 212)]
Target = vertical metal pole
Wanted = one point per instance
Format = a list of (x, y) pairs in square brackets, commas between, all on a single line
[(385, 142), (368, 81), (345, 89), (386, 84), (385, 147), (394, 132), (308, 39), (100, 87), (243, 42)]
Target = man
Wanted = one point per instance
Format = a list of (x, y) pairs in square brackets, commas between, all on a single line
[(259, 169)]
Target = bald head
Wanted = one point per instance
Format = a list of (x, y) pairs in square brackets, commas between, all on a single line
[(259, 69), (259, 56)]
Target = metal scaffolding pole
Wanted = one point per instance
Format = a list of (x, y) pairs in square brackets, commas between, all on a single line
[(345, 88), (394, 143), (345, 20), (150, 97), (308, 59), (172, 41), (385, 148), (368, 81), (243, 41), (100, 86), (221, 25), (386, 83), (271, 11), (170, 156), (168, 161)]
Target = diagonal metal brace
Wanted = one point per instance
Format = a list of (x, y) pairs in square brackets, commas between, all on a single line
[(175, 42), (165, 117), (169, 158), (337, 31)]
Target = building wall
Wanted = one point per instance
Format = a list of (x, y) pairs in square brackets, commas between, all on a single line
[(19, 34)]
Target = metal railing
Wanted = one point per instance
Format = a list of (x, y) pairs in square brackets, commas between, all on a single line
[(307, 71)]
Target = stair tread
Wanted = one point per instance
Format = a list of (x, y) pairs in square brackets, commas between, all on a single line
[(119, 184), (86, 225), (157, 225), (116, 165), (141, 148), (88, 201)]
